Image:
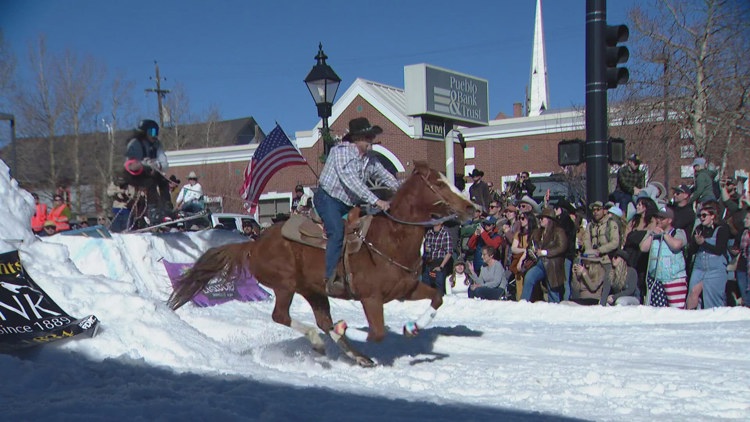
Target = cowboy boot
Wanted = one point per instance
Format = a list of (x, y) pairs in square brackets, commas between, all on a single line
[(335, 286)]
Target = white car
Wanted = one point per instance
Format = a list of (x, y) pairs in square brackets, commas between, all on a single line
[(231, 221)]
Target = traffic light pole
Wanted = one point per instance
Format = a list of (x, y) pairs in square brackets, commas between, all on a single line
[(597, 165)]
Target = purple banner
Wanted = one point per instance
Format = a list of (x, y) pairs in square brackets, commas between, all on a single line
[(246, 289)]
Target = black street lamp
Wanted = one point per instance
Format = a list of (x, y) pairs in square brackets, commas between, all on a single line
[(323, 82), (12, 120)]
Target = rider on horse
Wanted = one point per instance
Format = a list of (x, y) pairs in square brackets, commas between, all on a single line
[(343, 185)]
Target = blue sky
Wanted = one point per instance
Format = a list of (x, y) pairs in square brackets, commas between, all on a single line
[(249, 58)]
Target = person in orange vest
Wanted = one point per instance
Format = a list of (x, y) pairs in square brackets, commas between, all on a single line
[(60, 214), (40, 215)]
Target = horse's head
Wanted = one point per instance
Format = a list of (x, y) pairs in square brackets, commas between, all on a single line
[(433, 194)]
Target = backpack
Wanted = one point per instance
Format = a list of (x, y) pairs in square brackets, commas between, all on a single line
[(607, 230)]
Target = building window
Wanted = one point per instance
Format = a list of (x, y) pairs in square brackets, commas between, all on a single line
[(686, 172), (687, 151)]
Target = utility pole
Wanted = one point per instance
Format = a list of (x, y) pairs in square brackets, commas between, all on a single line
[(160, 94), (603, 55)]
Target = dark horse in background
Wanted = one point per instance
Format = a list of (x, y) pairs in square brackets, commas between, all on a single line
[(386, 267)]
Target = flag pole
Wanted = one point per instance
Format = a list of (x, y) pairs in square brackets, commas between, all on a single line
[(306, 162)]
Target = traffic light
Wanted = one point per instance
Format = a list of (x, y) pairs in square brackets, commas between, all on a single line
[(571, 152), (616, 54), (616, 150)]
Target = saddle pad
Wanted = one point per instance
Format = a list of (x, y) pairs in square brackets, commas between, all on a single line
[(301, 229)]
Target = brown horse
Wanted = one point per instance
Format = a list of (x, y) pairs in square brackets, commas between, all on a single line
[(387, 266)]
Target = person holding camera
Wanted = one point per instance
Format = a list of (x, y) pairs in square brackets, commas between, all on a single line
[(666, 262), (709, 248), (485, 234), (523, 186)]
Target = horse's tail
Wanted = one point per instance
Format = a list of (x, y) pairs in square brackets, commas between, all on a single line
[(226, 262)]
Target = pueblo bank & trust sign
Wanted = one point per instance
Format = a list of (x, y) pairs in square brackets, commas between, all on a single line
[(438, 92)]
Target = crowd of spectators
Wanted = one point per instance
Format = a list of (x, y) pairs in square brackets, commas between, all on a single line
[(639, 246)]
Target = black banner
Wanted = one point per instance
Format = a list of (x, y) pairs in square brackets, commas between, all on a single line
[(28, 317)]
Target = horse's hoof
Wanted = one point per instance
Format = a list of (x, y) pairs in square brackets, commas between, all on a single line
[(411, 329), (317, 343)]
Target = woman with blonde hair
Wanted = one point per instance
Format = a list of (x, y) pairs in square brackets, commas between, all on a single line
[(623, 280)]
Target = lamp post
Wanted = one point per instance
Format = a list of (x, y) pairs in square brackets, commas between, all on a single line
[(12, 120), (663, 59), (323, 82)]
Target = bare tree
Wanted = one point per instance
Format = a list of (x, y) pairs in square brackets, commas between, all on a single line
[(79, 85), (40, 108), (212, 117), (178, 105), (703, 81)]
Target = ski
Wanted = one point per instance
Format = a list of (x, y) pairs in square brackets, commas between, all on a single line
[(167, 223)]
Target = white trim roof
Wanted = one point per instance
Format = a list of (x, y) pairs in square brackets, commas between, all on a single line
[(391, 102)]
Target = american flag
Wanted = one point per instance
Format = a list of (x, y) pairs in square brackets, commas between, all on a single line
[(656, 294), (273, 154)]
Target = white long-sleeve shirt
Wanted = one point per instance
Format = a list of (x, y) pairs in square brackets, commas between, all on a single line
[(190, 193)]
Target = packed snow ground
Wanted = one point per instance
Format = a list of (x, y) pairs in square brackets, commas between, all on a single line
[(478, 361)]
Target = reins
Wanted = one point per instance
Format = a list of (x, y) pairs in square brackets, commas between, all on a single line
[(431, 222), (427, 223)]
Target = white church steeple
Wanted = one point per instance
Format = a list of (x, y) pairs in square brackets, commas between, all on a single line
[(538, 100)]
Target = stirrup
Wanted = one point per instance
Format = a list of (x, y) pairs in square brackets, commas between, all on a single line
[(335, 286)]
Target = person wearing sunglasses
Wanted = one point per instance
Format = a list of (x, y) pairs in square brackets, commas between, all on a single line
[(145, 164), (60, 214), (709, 276)]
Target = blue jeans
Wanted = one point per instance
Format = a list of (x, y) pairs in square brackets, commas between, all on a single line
[(568, 268), (742, 281), (489, 293), (192, 207), (623, 199), (712, 271), (437, 282), (120, 220), (331, 211), (536, 274)]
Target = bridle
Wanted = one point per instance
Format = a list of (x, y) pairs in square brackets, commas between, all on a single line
[(427, 223), (434, 221)]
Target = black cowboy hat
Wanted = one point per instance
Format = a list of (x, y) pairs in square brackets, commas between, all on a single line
[(548, 213), (476, 173), (174, 179), (564, 204), (362, 126)]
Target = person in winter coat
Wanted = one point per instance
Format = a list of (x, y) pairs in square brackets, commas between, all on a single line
[(40, 214), (551, 246), (145, 164), (486, 234), (60, 214), (479, 192), (704, 182)]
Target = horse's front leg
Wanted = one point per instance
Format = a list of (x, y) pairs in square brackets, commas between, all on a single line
[(423, 291)]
